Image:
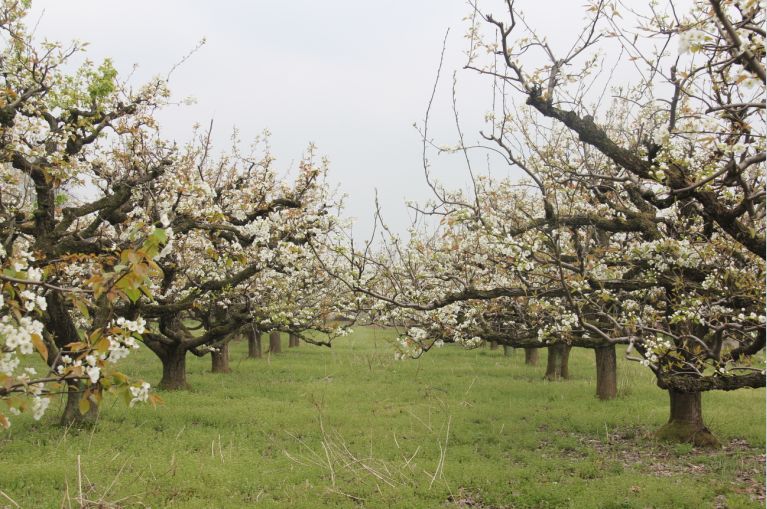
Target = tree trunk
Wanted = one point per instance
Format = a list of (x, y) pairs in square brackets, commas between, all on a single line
[(557, 363), (507, 351), (566, 362), (493, 345), (72, 416), (686, 421), (531, 356), (174, 370), (220, 359), (607, 378), (59, 321), (275, 343), (254, 344), (292, 341)]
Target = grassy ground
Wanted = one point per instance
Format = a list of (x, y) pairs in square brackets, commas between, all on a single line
[(351, 427)]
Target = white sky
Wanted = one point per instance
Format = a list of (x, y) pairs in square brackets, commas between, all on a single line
[(351, 76)]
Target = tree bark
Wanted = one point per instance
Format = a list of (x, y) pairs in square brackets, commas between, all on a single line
[(566, 362), (71, 416), (254, 344), (64, 331), (685, 423), (557, 363), (507, 351), (493, 345), (174, 369), (220, 359), (275, 343), (531, 356), (292, 341), (607, 377)]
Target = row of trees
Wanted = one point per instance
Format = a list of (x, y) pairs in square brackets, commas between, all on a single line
[(640, 220), (112, 236)]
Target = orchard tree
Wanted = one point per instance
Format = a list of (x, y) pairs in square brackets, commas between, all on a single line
[(77, 148), (238, 252), (641, 220), (299, 300), (684, 145), (491, 271)]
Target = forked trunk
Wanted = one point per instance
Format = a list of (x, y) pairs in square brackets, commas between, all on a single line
[(607, 378), (507, 351), (275, 344), (220, 359), (531, 356), (254, 344), (685, 423), (557, 362), (174, 370), (72, 416)]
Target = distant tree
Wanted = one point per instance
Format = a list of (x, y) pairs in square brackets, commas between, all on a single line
[(240, 254), (254, 342)]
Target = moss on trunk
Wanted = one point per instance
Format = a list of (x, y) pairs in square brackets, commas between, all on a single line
[(685, 423)]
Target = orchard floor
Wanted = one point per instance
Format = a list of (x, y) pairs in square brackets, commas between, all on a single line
[(351, 427)]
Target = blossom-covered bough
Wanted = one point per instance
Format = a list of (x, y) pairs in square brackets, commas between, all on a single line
[(76, 150), (112, 237), (686, 145), (641, 219), (239, 257)]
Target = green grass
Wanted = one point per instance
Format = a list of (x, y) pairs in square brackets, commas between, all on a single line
[(352, 427)]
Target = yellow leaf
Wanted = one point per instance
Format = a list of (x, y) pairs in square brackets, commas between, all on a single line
[(40, 345), (102, 346), (155, 400), (85, 405)]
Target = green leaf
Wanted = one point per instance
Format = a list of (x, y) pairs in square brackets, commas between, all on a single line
[(133, 293), (160, 235)]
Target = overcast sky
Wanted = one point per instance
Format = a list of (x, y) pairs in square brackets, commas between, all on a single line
[(351, 76)]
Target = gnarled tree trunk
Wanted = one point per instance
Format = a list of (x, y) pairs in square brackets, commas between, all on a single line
[(254, 344), (607, 377), (531, 356), (685, 423), (557, 364), (173, 369), (275, 344), (220, 359), (64, 331)]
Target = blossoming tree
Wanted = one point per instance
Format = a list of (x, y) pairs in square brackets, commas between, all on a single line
[(684, 147), (237, 255), (641, 220), (76, 149)]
